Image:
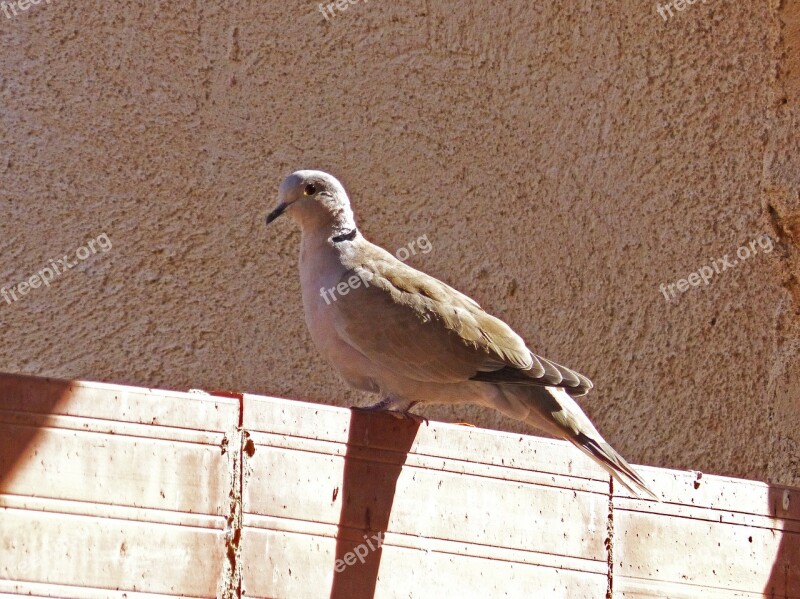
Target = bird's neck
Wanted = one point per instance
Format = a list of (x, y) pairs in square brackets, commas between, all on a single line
[(336, 222), (330, 236), (342, 224), (333, 231), (322, 261)]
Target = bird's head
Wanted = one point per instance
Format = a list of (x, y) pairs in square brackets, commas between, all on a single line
[(316, 200)]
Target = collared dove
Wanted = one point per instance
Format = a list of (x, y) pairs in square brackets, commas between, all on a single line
[(388, 328)]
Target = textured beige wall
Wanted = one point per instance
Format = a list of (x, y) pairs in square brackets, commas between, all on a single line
[(564, 161)]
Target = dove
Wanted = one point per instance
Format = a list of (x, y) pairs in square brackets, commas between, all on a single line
[(392, 330)]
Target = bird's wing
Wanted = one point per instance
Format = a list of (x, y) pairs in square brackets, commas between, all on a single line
[(420, 328), (556, 375)]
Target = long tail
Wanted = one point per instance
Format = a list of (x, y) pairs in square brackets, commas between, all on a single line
[(551, 409), (607, 457)]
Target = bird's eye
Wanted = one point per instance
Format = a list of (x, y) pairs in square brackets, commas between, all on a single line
[(310, 189)]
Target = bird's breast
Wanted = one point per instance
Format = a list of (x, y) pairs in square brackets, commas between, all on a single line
[(321, 271)]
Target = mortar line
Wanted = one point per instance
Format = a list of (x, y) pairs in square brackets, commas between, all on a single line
[(231, 586), (610, 539)]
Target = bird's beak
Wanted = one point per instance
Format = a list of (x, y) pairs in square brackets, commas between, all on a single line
[(277, 212)]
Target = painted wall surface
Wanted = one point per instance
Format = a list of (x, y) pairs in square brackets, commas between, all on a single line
[(115, 492), (564, 162)]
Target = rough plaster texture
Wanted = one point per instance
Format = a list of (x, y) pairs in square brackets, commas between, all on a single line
[(563, 160)]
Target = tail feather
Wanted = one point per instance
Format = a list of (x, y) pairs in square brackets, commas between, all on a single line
[(607, 457), (553, 410)]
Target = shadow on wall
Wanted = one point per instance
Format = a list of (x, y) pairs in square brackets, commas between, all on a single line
[(369, 483), (26, 404), (784, 579)]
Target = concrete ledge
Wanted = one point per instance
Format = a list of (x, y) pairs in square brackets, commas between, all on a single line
[(112, 491), (104, 488), (459, 508)]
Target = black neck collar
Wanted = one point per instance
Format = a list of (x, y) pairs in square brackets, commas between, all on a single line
[(349, 236)]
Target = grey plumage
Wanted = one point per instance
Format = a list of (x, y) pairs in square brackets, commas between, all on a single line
[(396, 331)]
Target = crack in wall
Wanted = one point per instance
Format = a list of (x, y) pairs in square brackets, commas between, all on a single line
[(609, 542), (230, 586), (235, 444), (785, 224)]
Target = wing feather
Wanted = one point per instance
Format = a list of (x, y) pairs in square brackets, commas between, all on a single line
[(418, 327)]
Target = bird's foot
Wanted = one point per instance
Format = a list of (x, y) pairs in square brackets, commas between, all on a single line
[(382, 406), (406, 415)]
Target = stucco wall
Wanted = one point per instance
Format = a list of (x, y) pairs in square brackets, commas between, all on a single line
[(563, 161)]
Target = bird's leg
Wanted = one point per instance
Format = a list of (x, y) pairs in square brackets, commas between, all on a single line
[(387, 403), (392, 405)]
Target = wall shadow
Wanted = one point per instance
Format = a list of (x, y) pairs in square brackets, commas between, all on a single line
[(784, 579), (25, 404), (377, 448)]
